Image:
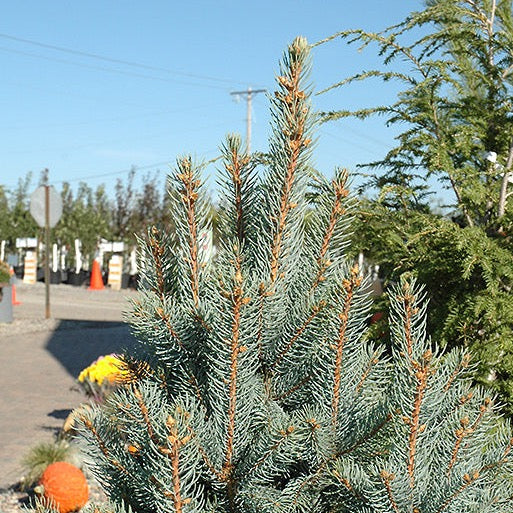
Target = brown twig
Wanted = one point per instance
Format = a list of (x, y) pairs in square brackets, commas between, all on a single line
[(316, 309), (336, 212), (157, 251), (103, 448), (160, 312), (462, 365), (348, 485), (293, 100), (387, 478), (294, 388), (174, 455), (204, 455), (503, 460), (189, 195), (284, 434), (422, 372), (349, 286), (239, 301), (465, 430), (234, 168), (373, 361), (410, 311), (374, 431), (324, 464), (468, 480), (146, 416)]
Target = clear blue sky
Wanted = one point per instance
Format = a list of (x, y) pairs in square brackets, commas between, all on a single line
[(81, 116)]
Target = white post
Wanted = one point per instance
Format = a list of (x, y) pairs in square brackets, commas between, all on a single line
[(133, 262), (78, 256), (55, 258), (99, 256), (63, 257), (360, 263), (2, 251)]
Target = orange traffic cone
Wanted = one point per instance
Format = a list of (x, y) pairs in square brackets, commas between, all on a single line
[(13, 294), (14, 300), (96, 277)]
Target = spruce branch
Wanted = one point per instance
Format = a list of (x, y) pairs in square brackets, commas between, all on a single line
[(236, 163), (275, 447), (294, 388), (315, 311), (173, 453), (103, 446), (368, 369), (264, 393), (468, 480), (463, 364), (349, 286), (340, 192), (188, 192), (465, 430), (504, 459), (238, 301), (291, 103), (422, 372), (387, 478), (157, 251), (368, 436)]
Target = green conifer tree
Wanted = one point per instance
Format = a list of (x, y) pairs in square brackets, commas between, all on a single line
[(452, 64), (256, 389)]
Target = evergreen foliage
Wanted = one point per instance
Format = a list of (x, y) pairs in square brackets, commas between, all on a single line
[(454, 110), (468, 276), (255, 387), (455, 103)]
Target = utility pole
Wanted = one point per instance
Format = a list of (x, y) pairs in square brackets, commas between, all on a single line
[(249, 97)]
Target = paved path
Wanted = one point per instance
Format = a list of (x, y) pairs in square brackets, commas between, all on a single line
[(40, 360)]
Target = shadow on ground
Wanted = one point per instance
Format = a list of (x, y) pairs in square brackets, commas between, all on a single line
[(76, 344)]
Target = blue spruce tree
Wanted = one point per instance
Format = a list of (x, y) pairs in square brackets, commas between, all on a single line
[(257, 389)]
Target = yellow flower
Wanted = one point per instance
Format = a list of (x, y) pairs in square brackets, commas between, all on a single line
[(108, 367)]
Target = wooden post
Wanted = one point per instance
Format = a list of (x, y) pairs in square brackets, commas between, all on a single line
[(47, 251)]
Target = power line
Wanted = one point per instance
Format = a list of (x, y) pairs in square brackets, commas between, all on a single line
[(116, 141), (112, 173), (122, 171), (116, 119), (114, 60), (110, 70)]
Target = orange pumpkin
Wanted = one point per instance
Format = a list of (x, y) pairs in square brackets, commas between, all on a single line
[(64, 486)]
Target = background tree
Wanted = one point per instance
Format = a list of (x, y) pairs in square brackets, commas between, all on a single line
[(22, 223), (124, 207), (455, 106), (5, 218), (85, 217), (44, 177), (456, 102), (148, 207)]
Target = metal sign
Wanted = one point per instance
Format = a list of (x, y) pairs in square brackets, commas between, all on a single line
[(112, 247), (26, 242), (37, 206)]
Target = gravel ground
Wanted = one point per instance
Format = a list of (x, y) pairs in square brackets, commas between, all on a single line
[(82, 315)]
